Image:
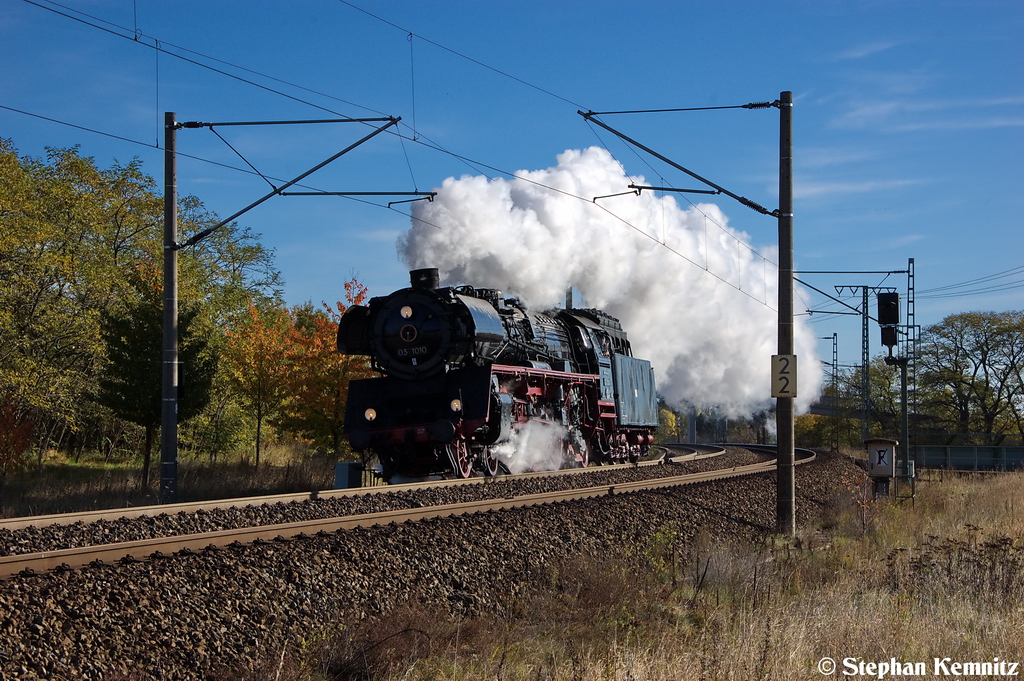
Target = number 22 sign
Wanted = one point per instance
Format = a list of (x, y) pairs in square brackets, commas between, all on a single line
[(783, 375)]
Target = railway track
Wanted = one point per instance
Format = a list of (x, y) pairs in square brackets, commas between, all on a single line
[(681, 453), (161, 547)]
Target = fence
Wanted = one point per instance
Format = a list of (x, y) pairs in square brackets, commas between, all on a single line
[(969, 457)]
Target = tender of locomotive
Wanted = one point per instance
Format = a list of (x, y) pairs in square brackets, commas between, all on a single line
[(463, 369)]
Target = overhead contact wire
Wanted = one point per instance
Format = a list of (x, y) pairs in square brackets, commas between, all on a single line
[(459, 54), (157, 46), (416, 139)]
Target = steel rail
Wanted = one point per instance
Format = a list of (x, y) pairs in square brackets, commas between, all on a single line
[(11, 566), (20, 523)]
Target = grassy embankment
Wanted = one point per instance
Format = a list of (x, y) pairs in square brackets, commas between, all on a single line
[(64, 485), (942, 577)]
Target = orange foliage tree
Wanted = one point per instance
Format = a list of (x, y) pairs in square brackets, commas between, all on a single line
[(255, 356), (317, 374)]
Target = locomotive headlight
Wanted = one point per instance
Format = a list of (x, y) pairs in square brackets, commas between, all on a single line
[(370, 414), (406, 312), (456, 405)]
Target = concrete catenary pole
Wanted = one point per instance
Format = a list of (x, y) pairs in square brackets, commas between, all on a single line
[(786, 489), (169, 388)]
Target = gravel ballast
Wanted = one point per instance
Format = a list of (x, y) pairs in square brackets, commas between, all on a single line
[(202, 615), (60, 536)]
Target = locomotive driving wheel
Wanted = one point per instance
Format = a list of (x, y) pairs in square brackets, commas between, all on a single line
[(462, 463), (489, 462)]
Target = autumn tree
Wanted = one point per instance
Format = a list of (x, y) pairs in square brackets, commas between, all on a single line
[(255, 353), (668, 430), (15, 439), (70, 234), (318, 375)]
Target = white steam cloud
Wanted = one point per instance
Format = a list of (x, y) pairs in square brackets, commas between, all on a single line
[(537, 446), (692, 296)]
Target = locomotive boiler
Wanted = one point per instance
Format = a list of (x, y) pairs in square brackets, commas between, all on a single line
[(464, 370)]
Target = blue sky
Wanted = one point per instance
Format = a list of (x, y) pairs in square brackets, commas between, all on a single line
[(908, 119)]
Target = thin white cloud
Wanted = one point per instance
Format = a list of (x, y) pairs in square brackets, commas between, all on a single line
[(897, 242), (385, 235), (824, 157), (902, 240), (808, 189), (908, 114), (867, 49), (964, 124)]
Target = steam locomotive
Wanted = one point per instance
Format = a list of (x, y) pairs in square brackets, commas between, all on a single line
[(465, 370)]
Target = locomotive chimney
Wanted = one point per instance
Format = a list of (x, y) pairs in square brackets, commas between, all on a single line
[(427, 278)]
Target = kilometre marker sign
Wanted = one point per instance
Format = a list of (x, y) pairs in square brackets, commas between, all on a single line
[(783, 375)]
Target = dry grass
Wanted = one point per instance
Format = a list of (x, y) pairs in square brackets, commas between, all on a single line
[(942, 577), (63, 485)]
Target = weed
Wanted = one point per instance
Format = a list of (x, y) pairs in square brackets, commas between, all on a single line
[(930, 576)]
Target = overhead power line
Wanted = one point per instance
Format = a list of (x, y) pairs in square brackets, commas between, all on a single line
[(160, 47), (956, 290), (997, 275), (79, 127), (460, 55), (977, 292)]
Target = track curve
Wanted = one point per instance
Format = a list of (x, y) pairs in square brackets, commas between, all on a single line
[(160, 547), (681, 453)]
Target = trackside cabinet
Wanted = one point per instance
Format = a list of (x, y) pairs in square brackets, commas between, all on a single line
[(881, 457), (881, 462)]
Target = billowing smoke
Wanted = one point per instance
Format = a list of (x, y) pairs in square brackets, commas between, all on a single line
[(691, 294)]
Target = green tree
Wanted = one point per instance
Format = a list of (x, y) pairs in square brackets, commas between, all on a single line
[(970, 371), (1014, 358), (70, 234), (886, 410), (68, 231), (132, 383)]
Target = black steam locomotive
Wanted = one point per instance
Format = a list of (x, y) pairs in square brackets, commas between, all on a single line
[(464, 369)]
